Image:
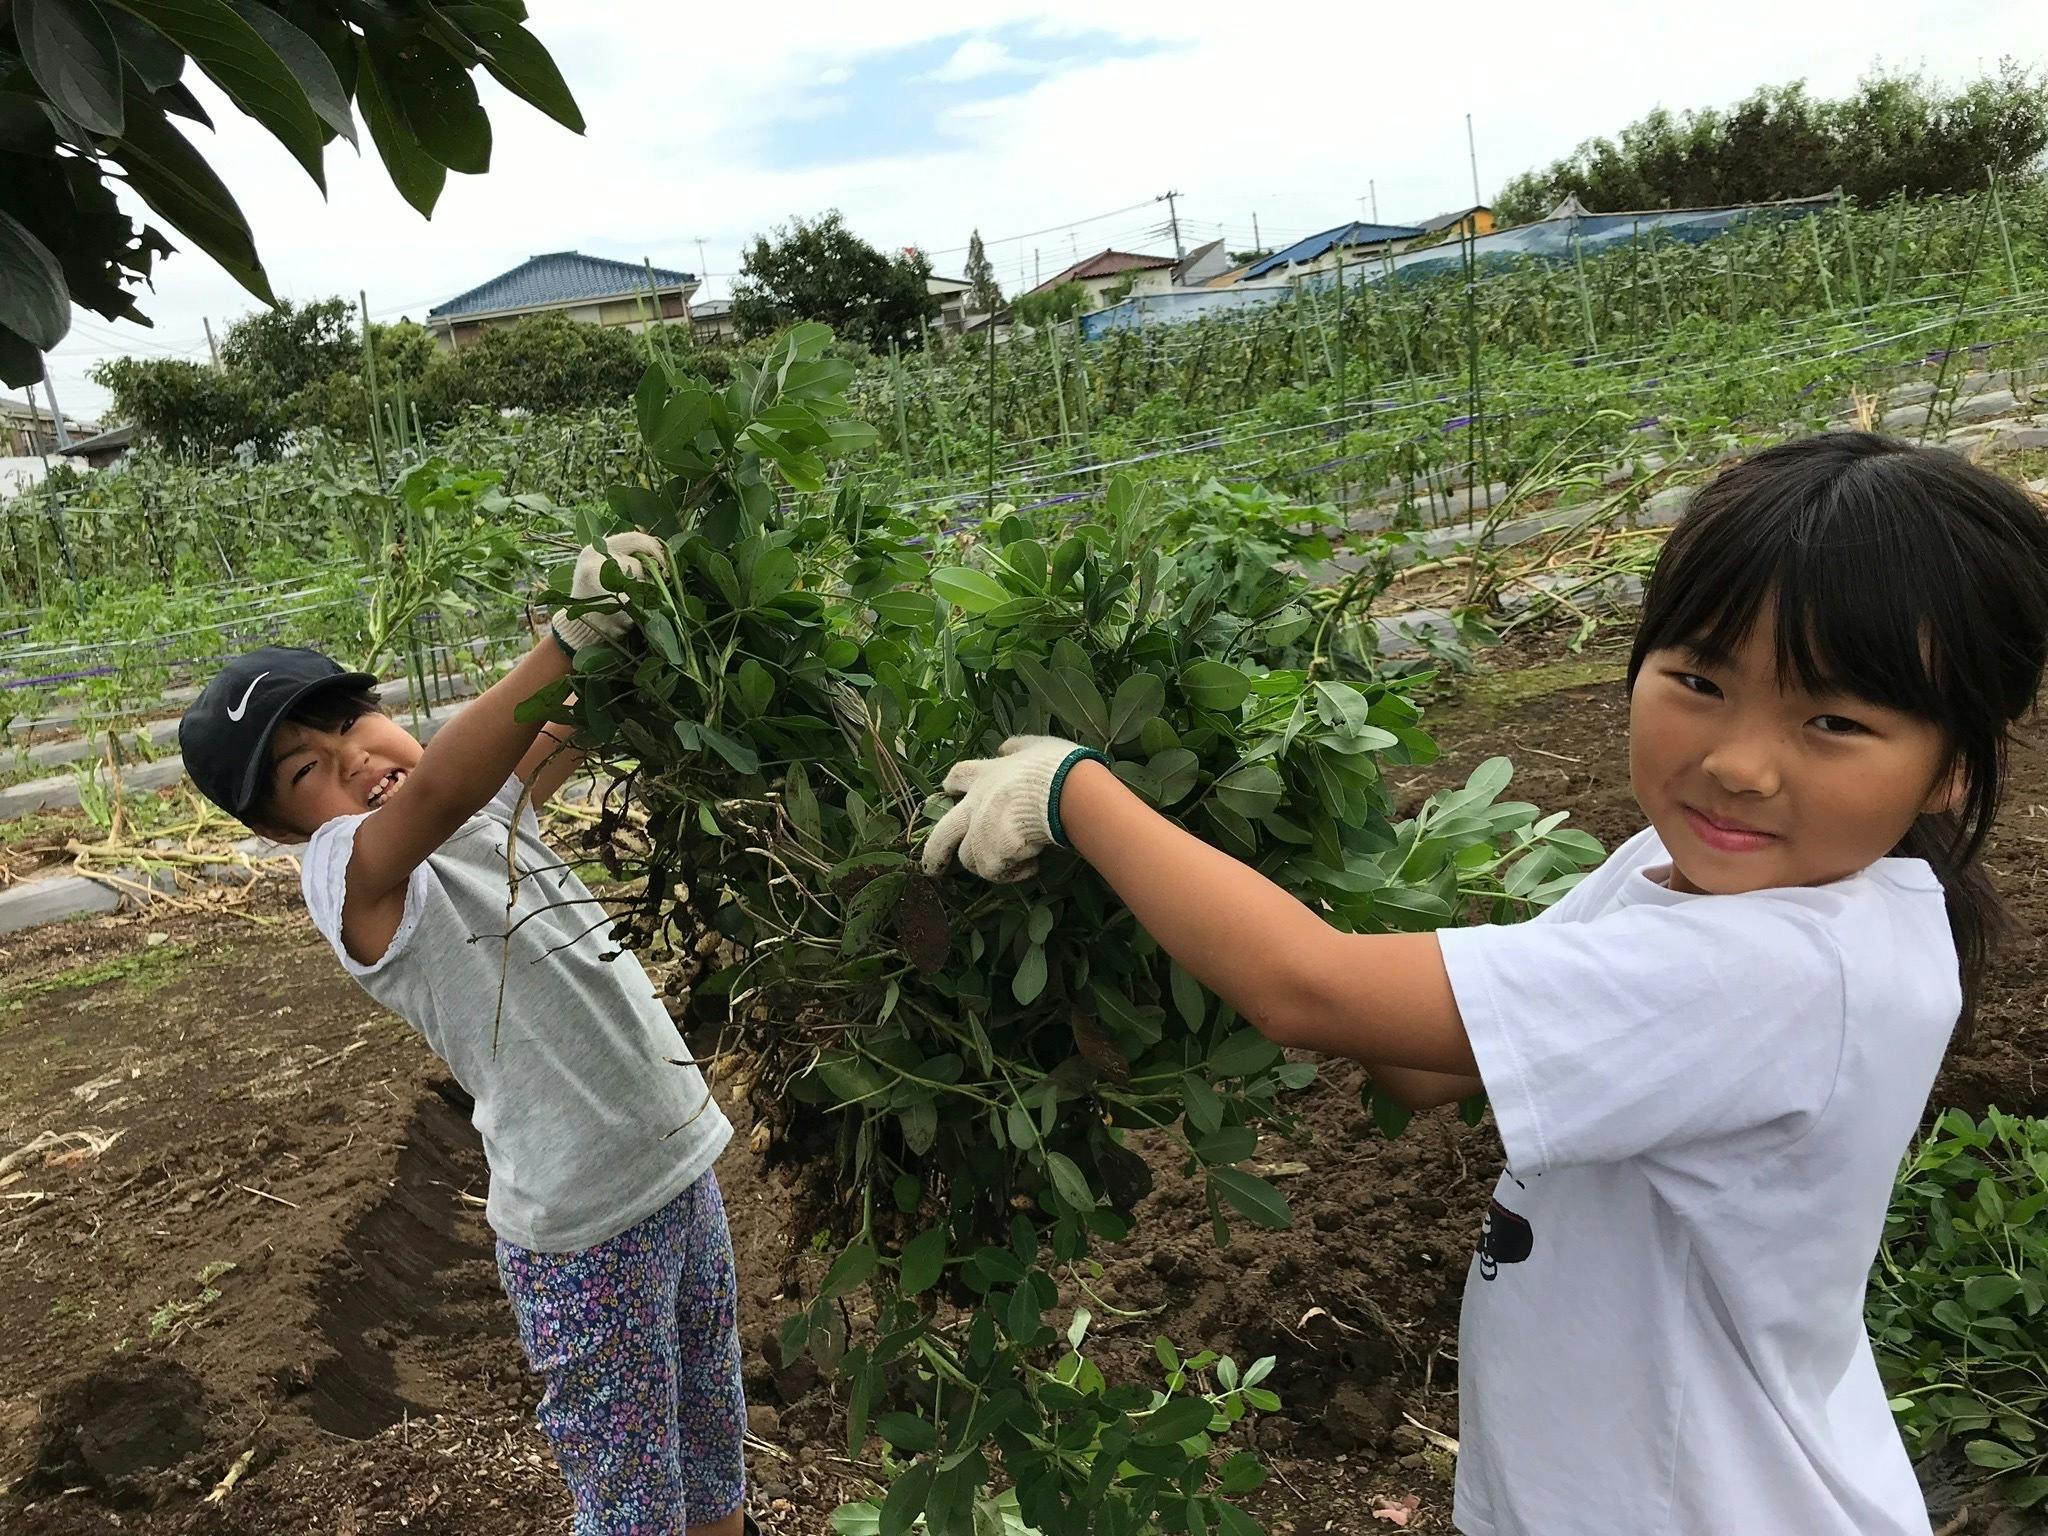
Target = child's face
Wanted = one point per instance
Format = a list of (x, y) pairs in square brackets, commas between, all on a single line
[(316, 776), (1752, 785)]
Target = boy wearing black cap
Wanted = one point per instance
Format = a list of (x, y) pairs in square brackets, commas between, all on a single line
[(437, 894)]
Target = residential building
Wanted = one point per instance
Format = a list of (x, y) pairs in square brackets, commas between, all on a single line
[(955, 296), (1111, 270), (102, 449), (1348, 244), (711, 320), (1201, 266), (593, 290), (1459, 222), (27, 429)]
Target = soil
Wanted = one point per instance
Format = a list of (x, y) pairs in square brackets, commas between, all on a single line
[(262, 1252)]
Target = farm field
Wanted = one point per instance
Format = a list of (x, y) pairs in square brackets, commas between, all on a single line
[(265, 1237), (1319, 578)]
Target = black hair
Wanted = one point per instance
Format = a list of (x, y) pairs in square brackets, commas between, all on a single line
[(1906, 576), (324, 709)]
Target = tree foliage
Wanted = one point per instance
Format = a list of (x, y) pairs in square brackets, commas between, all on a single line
[(1897, 133), (1054, 305), (189, 410), (819, 270), (985, 296), (92, 87), (282, 350), (540, 363)]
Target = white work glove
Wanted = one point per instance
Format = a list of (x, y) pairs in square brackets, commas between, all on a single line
[(611, 621), (1005, 816)]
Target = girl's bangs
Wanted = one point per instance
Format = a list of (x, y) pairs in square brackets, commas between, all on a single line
[(1856, 606)]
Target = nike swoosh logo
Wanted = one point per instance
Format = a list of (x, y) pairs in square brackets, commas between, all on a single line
[(236, 712)]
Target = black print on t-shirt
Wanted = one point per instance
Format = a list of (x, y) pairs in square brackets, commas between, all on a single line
[(1504, 1238)]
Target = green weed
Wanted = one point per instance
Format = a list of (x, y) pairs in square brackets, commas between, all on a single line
[(142, 971), (1958, 1293)]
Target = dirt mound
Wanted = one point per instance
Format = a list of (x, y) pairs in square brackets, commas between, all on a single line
[(387, 1289), (107, 1430)]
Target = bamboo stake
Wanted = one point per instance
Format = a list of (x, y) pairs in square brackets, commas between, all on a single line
[(1849, 245), (2004, 235), (1962, 305), (370, 378), (1820, 262)]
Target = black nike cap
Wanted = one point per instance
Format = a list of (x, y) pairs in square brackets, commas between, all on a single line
[(225, 735)]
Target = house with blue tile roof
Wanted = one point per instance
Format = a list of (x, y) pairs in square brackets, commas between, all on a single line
[(594, 290)]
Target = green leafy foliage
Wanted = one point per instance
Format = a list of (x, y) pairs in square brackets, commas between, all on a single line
[(819, 270), (94, 83), (1896, 133), (975, 1057), (1958, 1302)]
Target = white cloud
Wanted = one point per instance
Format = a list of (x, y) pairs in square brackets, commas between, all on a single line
[(838, 74), (976, 57), (1285, 117)]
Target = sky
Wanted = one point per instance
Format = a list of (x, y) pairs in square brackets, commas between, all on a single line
[(1052, 126)]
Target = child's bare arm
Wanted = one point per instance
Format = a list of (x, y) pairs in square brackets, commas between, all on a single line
[(1423, 1090), (549, 763), (1377, 998), (465, 764)]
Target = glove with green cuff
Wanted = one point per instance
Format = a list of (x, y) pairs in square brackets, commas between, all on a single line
[(1008, 811), (608, 621)]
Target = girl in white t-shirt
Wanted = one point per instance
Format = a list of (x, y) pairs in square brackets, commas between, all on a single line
[(1706, 1061)]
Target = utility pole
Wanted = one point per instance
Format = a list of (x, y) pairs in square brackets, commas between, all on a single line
[(700, 258), (1373, 190), (1472, 149), (1036, 279), (211, 350), (1257, 243), (1173, 218), (56, 410)]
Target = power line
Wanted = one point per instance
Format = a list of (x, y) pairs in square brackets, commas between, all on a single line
[(1050, 229)]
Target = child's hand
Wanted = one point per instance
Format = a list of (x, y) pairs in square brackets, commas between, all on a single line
[(1008, 811), (609, 621)]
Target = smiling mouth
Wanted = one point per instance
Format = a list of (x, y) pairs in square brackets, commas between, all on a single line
[(381, 790), (1727, 836)]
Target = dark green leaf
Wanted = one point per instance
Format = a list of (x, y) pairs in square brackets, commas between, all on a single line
[(1254, 1198), (1252, 791), (907, 1432), (234, 57), (1069, 1181), (849, 1271), (1242, 1054), (1030, 978), (1137, 702), (169, 174), (1212, 685), (34, 301), (1231, 1144), (1994, 1454), (418, 176), (308, 63), (737, 753), (433, 96), (1189, 999), (906, 1500), (1232, 1521), (976, 591), (923, 1261), (1175, 1420), (1987, 1293), (70, 52)]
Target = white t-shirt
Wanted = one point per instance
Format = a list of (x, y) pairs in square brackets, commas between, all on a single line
[(591, 1113), (1704, 1100)]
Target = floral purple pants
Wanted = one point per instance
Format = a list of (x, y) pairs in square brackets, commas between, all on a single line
[(638, 1338)]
